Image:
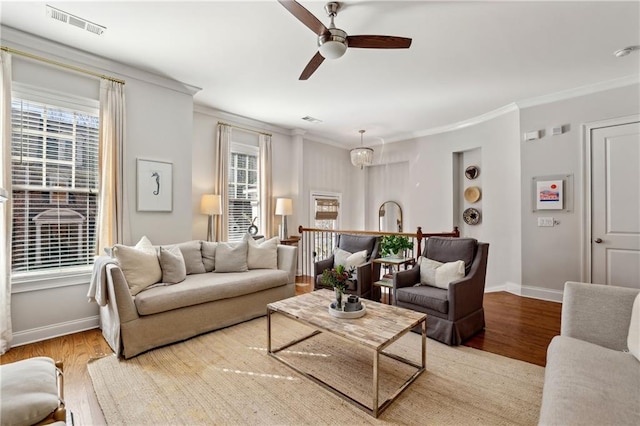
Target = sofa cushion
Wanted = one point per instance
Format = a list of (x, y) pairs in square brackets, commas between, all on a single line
[(433, 298), (451, 249), (192, 257), (589, 384), (208, 250), (262, 255), (231, 257), (204, 288), (172, 264), (139, 264), (29, 391), (440, 274), (633, 340)]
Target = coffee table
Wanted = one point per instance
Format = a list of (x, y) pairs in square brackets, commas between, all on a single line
[(379, 328)]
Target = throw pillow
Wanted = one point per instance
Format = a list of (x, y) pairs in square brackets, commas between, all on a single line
[(231, 258), (139, 264), (208, 250), (262, 255), (633, 339), (192, 257), (349, 260), (440, 274), (172, 264)]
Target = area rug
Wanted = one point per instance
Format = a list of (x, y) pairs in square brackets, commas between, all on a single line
[(226, 377)]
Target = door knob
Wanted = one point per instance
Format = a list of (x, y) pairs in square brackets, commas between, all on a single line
[(597, 240)]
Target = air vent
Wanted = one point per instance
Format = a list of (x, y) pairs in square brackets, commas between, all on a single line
[(67, 18), (311, 119)]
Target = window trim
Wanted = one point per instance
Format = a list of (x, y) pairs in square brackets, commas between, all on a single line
[(244, 149)]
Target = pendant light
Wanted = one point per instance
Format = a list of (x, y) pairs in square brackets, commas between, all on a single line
[(362, 156)]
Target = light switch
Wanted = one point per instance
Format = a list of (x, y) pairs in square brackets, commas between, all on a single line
[(545, 221)]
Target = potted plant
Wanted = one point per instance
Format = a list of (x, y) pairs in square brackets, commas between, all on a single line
[(395, 245), (337, 278)]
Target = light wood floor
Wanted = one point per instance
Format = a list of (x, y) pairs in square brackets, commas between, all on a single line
[(517, 327)]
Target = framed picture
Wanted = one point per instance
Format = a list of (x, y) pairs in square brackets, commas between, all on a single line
[(553, 192), (549, 194), (155, 186)]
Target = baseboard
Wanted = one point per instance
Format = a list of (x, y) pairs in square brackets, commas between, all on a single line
[(528, 291), (54, 330)]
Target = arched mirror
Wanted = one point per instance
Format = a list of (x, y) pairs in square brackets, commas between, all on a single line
[(390, 217)]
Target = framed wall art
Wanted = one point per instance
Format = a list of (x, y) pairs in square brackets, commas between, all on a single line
[(155, 186), (552, 193)]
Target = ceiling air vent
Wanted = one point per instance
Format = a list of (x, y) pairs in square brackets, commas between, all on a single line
[(311, 119), (67, 18)]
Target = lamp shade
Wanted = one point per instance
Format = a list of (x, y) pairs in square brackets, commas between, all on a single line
[(284, 206), (210, 204)]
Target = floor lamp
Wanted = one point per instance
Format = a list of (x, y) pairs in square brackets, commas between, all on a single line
[(210, 205), (284, 207)]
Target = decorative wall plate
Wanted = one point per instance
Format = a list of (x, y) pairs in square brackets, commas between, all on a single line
[(471, 216), (472, 172), (472, 194)]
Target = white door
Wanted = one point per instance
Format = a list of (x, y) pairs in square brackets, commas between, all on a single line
[(615, 205)]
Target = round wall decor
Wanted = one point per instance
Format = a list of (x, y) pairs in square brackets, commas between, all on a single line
[(472, 172), (472, 194), (471, 216)]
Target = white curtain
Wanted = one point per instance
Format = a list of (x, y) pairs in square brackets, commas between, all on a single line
[(5, 208), (266, 187), (112, 130), (223, 144)]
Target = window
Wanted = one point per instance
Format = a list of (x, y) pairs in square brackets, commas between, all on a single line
[(54, 159), (244, 190), (325, 209)]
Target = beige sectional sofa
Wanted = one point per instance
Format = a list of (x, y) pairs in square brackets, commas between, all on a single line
[(134, 320), (592, 375)]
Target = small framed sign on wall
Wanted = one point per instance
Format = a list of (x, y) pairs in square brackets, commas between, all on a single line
[(155, 186)]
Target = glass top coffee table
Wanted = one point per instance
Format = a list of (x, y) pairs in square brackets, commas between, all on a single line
[(379, 328)]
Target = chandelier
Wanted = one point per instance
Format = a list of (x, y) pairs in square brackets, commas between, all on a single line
[(362, 156)]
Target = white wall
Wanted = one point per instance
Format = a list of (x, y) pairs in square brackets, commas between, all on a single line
[(551, 256), (159, 115)]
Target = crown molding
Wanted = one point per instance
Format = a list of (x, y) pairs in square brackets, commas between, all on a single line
[(241, 120)]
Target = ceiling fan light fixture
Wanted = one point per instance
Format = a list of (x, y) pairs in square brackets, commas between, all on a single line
[(332, 45), (362, 156)]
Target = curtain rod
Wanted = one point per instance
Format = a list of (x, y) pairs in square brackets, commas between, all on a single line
[(243, 128), (59, 64)]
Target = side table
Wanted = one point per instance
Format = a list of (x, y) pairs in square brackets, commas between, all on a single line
[(393, 262)]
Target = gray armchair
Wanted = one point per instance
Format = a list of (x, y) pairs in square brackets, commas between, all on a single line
[(456, 313), (364, 274)]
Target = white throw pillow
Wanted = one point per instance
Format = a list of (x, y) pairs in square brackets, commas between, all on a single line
[(231, 257), (349, 260), (174, 269), (262, 255), (633, 339), (139, 264), (440, 274)]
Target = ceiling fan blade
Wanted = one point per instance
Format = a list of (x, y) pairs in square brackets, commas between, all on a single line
[(312, 66), (304, 16), (378, 42)]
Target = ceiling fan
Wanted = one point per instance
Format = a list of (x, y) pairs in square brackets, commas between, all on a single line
[(332, 41)]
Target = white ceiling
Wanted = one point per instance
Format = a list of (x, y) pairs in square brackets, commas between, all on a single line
[(467, 58)]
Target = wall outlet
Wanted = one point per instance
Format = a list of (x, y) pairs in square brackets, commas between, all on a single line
[(545, 221)]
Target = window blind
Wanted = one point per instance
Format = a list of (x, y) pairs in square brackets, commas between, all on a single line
[(54, 160), (243, 192), (326, 208)]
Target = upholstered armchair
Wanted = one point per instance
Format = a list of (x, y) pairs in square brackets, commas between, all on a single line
[(364, 274), (454, 313)]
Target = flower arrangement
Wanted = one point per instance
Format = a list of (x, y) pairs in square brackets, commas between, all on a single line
[(337, 277), (394, 244)]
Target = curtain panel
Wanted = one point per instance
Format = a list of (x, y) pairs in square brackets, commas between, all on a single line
[(222, 147), (110, 154), (6, 334), (266, 187)]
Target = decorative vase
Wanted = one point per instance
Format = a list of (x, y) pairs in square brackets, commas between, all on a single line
[(398, 254), (339, 294)]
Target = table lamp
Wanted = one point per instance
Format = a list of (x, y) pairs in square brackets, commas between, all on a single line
[(210, 205), (284, 207)]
